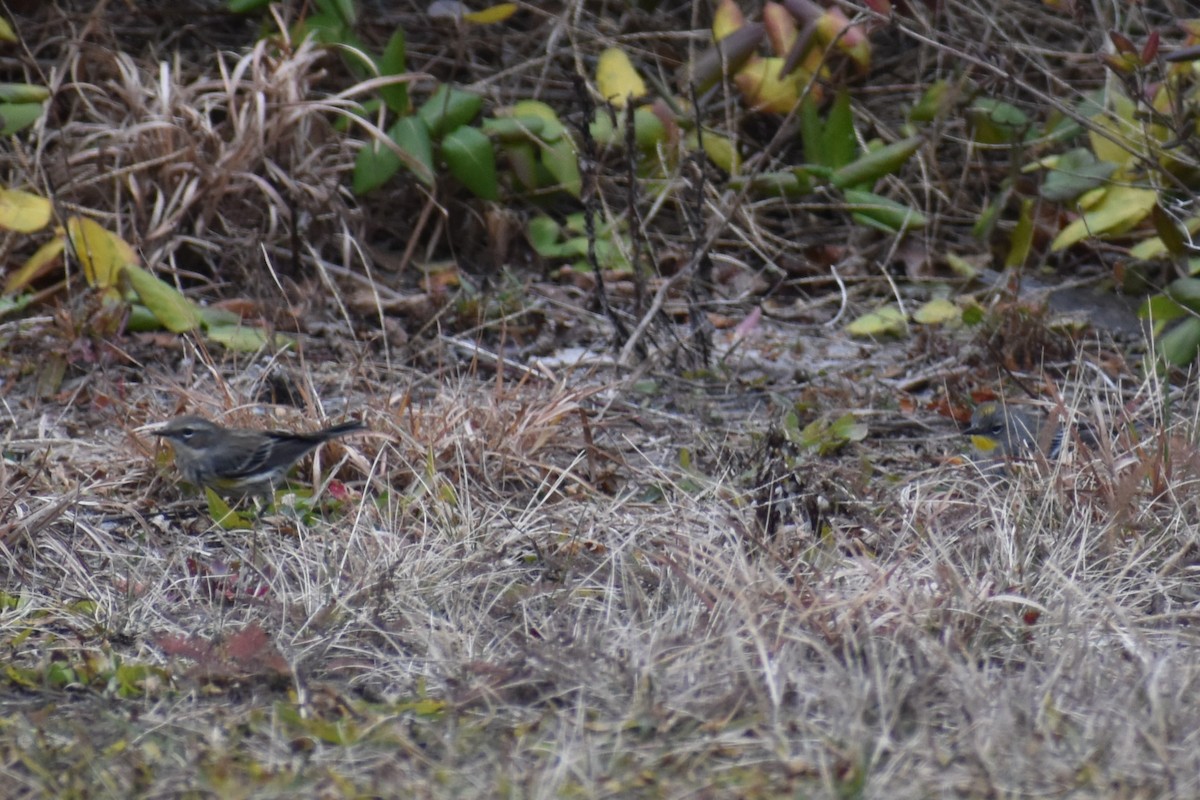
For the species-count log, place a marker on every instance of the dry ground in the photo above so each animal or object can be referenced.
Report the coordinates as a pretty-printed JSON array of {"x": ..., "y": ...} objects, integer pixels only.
[{"x": 536, "y": 580}]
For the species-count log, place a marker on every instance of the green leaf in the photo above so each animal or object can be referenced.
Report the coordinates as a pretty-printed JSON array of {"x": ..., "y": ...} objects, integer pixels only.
[
  {"x": 839, "y": 143},
  {"x": 1186, "y": 292},
  {"x": 246, "y": 6},
  {"x": 874, "y": 165},
  {"x": 1181, "y": 344},
  {"x": 141, "y": 319},
  {"x": 448, "y": 109},
  {"x": 176, "y": 313},
  {"x": 543, "y": 233},
  {"x": 523, "y": 161},
  {"x": 1073, "y": 173},
  {"x": 996, "y": 122},
  {"x": 342, "y": 10},
  {"x": 16, "y": 117},
  {"x": 882, "y": 213},
  {"x": 560, "y": 159},
  {"x": 412, "y": 137},
  {"x": 552, "y": 127},
  {"x": 244, "y": 339},
  {"x": 513, "y": 129},
  {"x": 393, "y": 62},
  {"x": 469, "y": 155},
  {"x": 218, "y": 317},
  {"x": 23, "y": 93},
  {"x": 811, "y": 133},
  {"x": 376, "y": 163},
  {"x": 374, "y": 166}
]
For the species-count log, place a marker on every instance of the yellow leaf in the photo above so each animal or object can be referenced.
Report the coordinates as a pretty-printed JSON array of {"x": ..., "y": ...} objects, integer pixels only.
[
  {"x": 6, "y": 32},
  {"x": 36, "y": 266},
  {"x": 886, "y": 320},
  {"x": 936, "y": 311},
  {"x": 1121, "y": 208},
  {"x": 726, "y": 19},
  {"x": 488, "y": 16},
  {"x": 764, "y": 89},
  {"x": 616, "y": 78},
  {"x": 102, "y": 254},
  {"x": 23, "y": 212},
  {"x": 1113, "y": 133}
]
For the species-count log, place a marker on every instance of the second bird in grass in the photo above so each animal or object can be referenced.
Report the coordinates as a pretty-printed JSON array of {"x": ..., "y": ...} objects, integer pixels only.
[
  {"x": 240, "y": 461},
  {"x": 1015, "y": 432}
]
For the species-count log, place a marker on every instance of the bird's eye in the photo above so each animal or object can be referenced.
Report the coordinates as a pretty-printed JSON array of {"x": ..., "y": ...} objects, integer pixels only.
[{"x": 187, "y": 433}]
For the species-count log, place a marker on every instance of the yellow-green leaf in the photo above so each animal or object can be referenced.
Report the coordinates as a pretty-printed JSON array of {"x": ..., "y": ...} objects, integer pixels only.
[
  {"x": 937, "y": 311},
  {"x": 176, "y": 313},
  {"x": 1114, "y": 135},
  {"x": 223, "y": 515},
  {"x": 1022, "y": 236},
  {"x": 245, "y": 339},
  {"x": 883, "y": 321},
  {"x": 719, "y": 149},
  {"x": 492, "y": 15},
  {"x": 37, "y": 265},
  {"x": 616, "y": 78},
  {"x": 23, "y": 93},
  {"x": 6, "y": 32},
  {"x": 552, "y": 127},
  {"x": 23, "y": 212},
  {"x": 1121, "y": 208}
]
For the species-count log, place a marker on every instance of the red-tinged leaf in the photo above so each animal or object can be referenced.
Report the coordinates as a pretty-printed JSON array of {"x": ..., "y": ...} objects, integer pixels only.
[
  {"x": 338, "y": 491},
  {"x": 749, "y": 324},
  {"x": 248, "y": 643},
  {"x": 883, "y": 7},
  {"x": 781, "y": 28},
  {"x": 1122, "y": 43},
  {"x": 185, "y": 646},
  {"x": 1150, "y": 49}
]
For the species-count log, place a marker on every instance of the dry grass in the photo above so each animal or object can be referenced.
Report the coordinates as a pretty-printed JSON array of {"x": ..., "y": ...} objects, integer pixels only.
[{"x": 533, "y": 586}]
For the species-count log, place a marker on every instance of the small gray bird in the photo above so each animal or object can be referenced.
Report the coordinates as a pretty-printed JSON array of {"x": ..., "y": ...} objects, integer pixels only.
[
  {"x": 240, "y": 461},
  {"x": 1016, "y": 432}
]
